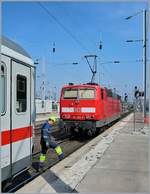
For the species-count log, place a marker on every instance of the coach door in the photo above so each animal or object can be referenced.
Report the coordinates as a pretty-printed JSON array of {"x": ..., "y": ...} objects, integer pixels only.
[
  {"x": 5, "y": 116},
  {"x": 20, "y": 116}
]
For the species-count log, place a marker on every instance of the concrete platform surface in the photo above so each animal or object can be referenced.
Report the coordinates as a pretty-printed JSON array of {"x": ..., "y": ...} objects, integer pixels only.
[
  {"x": 115, "y": 161},
  {"x": 123, "y": 168}
]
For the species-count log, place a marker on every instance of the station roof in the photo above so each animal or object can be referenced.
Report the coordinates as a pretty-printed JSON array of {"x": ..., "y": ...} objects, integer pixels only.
[{"x": 14, "y": 46}]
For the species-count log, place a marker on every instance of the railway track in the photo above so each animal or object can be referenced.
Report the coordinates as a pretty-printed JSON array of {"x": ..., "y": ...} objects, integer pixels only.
[{"x": 69, "y": 145}]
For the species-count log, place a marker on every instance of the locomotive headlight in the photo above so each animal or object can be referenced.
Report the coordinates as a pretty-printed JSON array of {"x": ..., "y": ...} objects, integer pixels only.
[{"x": 66, "y": 116}]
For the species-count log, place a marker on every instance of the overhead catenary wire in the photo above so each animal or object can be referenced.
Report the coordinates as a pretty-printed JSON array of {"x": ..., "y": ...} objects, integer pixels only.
[
  {"x": 73, "y": 62},
  {"x": 77, "y": 24},
  {"x": 102, "y": 63},
  {"x": 63, "y": 26},
  {"x": 122, "y": 61},
  {"x": 108, "y": 74}
]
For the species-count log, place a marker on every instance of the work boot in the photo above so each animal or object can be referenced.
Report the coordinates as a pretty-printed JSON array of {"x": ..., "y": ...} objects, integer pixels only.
[
  {"x": 41, "y": 162},
  {"x": 41, "y": 166}
]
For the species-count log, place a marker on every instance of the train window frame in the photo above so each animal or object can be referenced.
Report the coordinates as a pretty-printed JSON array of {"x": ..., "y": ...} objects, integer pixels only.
[
  {"x": 67, "y": 89},
  {"x": 21, "y": 112},
  {"x": 5, "y": 88},
  {"x": 87, "y": 89}
]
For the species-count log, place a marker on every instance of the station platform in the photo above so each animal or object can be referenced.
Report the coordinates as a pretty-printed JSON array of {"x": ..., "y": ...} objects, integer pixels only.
[{"x": 114, "y": 161}]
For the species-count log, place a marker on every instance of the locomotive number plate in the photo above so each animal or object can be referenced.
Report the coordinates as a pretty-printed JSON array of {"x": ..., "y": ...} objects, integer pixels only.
[{"x": 77, "y": 109}]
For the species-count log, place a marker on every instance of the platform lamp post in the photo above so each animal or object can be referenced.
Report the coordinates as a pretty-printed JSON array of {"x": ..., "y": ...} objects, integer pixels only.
[{"x": 144, "y": 51}]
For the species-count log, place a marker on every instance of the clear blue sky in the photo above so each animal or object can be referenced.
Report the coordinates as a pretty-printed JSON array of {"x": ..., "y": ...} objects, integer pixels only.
[{"x": 29, "y": 25}]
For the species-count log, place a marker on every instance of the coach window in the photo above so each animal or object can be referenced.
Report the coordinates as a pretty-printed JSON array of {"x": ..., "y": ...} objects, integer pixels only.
[
  {"x": 3, "y": 89},
  {"x": 21, "y": 104}
]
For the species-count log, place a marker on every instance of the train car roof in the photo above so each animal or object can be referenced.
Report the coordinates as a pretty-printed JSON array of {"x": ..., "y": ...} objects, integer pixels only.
[
  {"x": 82, "y": 86},
  {"x": 16, "y": 48}
]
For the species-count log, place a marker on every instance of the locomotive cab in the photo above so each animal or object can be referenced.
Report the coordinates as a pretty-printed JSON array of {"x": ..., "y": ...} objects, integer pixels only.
[
  {"x": 87, "y": 107},
  {"x": 79, "y": 107}
]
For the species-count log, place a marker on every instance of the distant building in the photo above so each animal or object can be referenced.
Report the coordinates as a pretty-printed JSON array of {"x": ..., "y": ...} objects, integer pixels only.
[
  {"x": 43, "y": 106},
  {"x": 46, "y": 106}
]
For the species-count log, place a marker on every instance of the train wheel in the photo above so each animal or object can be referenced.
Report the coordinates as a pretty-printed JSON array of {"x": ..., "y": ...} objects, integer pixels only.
[
  {"x": 73, "y": 133},
  {"x": 91, "y": 133}
]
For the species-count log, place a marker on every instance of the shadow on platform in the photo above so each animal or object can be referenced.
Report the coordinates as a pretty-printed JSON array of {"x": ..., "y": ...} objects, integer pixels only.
[{"x": 56, "y": 183}]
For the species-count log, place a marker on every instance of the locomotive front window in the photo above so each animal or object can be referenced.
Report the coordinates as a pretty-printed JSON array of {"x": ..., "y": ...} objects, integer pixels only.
[
  {"x": 70, "y": 94},
  {"x": 21, "y": 104},
  {"x": 86, "y": 93},
  {"x": 3, "y": 88}
]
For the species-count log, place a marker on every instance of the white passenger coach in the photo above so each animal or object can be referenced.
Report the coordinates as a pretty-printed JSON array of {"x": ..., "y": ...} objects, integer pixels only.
[{"x": 18, "y": 108}]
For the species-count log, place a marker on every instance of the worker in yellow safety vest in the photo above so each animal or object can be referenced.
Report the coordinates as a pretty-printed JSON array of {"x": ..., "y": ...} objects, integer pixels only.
[{"x": 47, "y": 142}]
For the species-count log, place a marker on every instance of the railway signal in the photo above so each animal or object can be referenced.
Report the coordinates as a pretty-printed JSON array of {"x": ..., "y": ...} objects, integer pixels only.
[{"x": 125, "y": 97}]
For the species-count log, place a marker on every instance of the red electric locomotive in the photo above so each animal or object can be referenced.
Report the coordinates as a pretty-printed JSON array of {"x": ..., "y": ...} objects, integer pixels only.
[{"x": 86, "y": 107}]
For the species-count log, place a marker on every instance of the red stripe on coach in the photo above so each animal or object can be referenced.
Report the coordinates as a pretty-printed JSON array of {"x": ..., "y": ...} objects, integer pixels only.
[{"x": 17, "y": 135}]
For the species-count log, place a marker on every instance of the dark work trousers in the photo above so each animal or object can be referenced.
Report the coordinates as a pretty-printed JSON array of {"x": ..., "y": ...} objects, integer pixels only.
[{"x": 47, "y": 143}]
